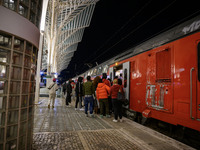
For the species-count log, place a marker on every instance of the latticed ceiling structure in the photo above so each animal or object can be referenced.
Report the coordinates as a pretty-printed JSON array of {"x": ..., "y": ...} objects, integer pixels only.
[{"x": 64, "y": 28}]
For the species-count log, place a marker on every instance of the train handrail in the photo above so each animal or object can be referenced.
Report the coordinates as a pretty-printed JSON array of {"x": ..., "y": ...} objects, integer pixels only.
[{"x": 191, "y": 92}]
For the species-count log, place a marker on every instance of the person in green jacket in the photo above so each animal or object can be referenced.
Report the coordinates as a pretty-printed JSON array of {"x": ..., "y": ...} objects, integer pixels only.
[{"x": 88, "y": 93}]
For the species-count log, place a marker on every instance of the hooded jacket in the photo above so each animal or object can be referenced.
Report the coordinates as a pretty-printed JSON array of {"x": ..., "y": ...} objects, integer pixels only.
[
  {"x": 114, "y": 90},
  {"x": 102, "y": 91},
  {"x": 107, "y": 82}
]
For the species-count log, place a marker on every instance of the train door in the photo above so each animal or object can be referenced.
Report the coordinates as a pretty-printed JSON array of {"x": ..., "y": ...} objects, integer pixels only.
[
  {"x": 198, "y": 81},
  {"x": 159, "y": 86},
  {"x": 126, "y": 78}
]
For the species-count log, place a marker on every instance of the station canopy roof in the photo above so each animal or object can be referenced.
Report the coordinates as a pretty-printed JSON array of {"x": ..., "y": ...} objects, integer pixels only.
[{"x": 64, "y": 28}]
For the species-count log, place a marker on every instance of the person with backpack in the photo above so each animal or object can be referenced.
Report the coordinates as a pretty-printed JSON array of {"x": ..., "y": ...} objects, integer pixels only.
[
  {"x": 52, "y": 93},
  {"x": 102, "y": 93}
]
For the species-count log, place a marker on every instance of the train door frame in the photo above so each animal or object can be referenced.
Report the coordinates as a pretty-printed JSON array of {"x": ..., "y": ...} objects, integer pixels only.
[
  {"x": 126, "y": 83},
  {"x": 197, "y": 82}
]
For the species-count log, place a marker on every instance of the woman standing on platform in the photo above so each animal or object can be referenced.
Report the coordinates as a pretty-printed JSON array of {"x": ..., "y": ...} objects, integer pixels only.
[
  {"x": 102, "y": 93},
  {"x": 117, "y": 104}
]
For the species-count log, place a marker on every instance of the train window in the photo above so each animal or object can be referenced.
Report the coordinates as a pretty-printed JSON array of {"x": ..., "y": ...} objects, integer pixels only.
[
  {"x": 125, "y": 78},
  {"x": 163, "y": 65},
  {"x": 198, "y": 55}
]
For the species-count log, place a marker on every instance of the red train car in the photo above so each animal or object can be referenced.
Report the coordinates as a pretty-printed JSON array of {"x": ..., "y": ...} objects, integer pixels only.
[{"x": 161, "y": 76}]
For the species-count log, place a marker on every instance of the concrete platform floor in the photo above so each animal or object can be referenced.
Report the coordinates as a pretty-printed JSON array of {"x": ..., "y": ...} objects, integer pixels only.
[{"x": 63, "y": 128}]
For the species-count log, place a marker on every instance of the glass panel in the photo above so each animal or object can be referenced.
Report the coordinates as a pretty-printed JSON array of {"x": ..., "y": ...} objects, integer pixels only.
[
  {"x": 33, "y": 5},
  {"x": 3, "y": 103},
  {"x": 25, "y": 2},
  {"x": 17, "y": 59},
  {"x": 16, "y": 73},
  {"x": 28, "y": 48},
  {"x": 11, "y": 132},
  {"x": 2, "y": 118},
  {"x": 11, "y": 4},
  {"x": 22, "y": 143},
  {"x": 32, "y": 75},
  {"x": 3, "y": 71},
  {"x": 3, "y": 87},
  {"x": 24, "y": 101},
  {"x": 5, "y": 41},
  {"x": 13, "y": 102},
  {"x": 23, "y": 114},
  {"x": 23, "y": 10},
  {"x": 12, "y": 117},
  {"x": 4, "y": 56},
  {"x": 14, "y": 87},
  {"x": 34, "y": 57},
  {"x": 27, "y": 61},
  {"x": 19, "y": 45},
  {"x": 23, "y": 127},
  {"x": 1, "y": 134},
  {"x": 26, "y": 74},
  {"x": 31, "y": 99},
  {"x": 30, "y": 113},
  {"x": 32, "y": 17},
  {"x": 25, "y": 87}
]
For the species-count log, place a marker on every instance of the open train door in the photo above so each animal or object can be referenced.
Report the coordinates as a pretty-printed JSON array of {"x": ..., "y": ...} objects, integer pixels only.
[{"x": 126, "y": 79}]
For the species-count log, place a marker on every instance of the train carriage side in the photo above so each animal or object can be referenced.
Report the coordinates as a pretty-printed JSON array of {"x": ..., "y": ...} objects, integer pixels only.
[{"x": 164, "y": 82}]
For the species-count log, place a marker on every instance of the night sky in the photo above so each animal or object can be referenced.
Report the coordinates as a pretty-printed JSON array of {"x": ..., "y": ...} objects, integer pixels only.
[{"x": 118, "y": 25}]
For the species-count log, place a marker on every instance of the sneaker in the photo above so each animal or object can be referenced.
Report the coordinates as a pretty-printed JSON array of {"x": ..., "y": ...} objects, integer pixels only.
[
  {"x": 120, "y": 120},
  {"x": 101, "y": 116},
  {"x": 82, "y": 109},
  {"x": 91, "y": 115},
  {"x": 76, "y": 108},
  {"x": 68, "y": 106},
  {"x": 49, "y": 106},
  {"x": 115, "y": 120},
  {"x": 107, "y": 116}
]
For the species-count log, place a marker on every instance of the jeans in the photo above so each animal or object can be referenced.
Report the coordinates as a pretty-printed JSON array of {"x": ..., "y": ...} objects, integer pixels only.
[{"x": 88, "y": 100}]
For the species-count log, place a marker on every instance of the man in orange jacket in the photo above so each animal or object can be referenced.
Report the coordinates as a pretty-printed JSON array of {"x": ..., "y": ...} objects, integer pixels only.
[{"x": 102, "y": 93}]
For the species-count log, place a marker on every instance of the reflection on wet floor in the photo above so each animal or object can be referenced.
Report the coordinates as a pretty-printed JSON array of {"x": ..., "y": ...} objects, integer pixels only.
[{"x": 62, "y": 118}]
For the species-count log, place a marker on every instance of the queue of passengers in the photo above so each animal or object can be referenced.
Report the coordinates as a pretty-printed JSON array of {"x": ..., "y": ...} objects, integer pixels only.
[{"x": 97, "y": 94}]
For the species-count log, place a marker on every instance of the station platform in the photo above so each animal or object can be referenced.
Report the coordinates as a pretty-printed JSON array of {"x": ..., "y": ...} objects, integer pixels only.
[{"x": 64, "y": 128}]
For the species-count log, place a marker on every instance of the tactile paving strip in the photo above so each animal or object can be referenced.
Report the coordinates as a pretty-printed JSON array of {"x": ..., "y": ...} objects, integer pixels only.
[
  {"x": 108, "y": 139},
  {"x": 61, "y": 141}
]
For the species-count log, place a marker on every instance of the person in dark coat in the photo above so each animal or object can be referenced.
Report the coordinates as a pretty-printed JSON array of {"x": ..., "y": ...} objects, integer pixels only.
[
  {"x": 64, "y": 87},
  {"x": 69, "y": 92},
  {"x": 79, "y": 93}
]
